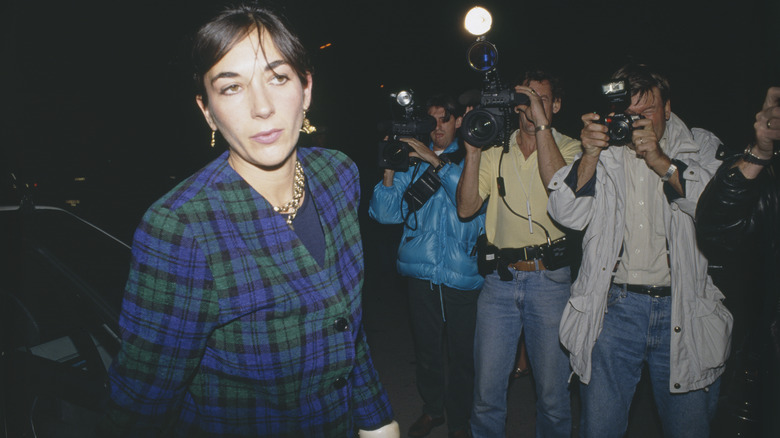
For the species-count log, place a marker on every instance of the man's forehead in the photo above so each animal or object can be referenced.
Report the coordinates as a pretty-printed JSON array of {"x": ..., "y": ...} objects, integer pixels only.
[
  {"x": 647, "y": 98},
  {"x": 437, "y": 111},
  {"x": 539, "y": 86}
]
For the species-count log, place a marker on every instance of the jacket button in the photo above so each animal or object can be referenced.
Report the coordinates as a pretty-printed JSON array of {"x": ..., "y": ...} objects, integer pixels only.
[
  {"x": 340, "y": 383},
  {"x": 677, "y": 329},
  {"x": 341, "y": 324},
  {"x": 676, "y": 386}
]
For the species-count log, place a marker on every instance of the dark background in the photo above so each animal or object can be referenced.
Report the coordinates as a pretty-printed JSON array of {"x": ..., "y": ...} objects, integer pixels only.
[{"x": 102, "y": 90}]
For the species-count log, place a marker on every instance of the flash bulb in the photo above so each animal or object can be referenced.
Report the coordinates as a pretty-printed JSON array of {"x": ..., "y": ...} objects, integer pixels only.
[
  {"x": 404, "y": 98},
  {"x": 478, "y": 21},
  {"x": 613, "y": 87}
]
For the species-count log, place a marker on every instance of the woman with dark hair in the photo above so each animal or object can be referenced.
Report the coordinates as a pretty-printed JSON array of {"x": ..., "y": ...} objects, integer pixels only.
[{"x": 242, "y": 314}]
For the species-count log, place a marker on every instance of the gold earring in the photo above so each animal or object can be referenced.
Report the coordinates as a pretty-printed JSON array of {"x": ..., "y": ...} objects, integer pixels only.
[
  {"x": 307, "y": 127},
  {"x": 213, "y": 138}
]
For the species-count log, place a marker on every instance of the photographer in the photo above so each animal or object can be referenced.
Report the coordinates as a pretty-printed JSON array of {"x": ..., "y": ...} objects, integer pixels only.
[
  {"x": 643, "y": 295},
  {"x": 738, "y": 226},
  {"x": 436, "y": 255},
  {"x": 519, "y": 291}
]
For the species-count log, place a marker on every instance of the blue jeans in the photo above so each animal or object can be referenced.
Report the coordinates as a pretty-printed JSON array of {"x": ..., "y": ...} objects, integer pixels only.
[
  {"x": 637, "y": 330},
  {"x": 533, "y": 301}
]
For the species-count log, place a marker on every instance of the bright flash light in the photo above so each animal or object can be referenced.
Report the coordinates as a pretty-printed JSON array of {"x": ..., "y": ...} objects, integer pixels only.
[
  {"x": 404, "y": 98},
  {"x": 478, "y": 21}
]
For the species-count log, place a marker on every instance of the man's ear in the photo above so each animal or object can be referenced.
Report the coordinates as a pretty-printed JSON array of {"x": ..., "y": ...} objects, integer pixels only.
[
  {"x": 668, "y": 109},
  {"x": 556, "y": 106},
  {"x": 458, "y": 121},
  {"x": 205, "y": 110}
]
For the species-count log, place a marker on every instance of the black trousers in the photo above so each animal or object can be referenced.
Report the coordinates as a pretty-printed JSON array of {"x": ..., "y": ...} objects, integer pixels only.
[{"x": 432, "y": 305}]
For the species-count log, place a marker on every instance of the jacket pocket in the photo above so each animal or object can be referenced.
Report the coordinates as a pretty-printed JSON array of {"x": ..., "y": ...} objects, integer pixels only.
[{"x": 711, "y": 333}]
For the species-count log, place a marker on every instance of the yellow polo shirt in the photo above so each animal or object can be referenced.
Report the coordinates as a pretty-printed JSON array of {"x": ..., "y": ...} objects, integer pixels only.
[{"x": 524, "y": 189}]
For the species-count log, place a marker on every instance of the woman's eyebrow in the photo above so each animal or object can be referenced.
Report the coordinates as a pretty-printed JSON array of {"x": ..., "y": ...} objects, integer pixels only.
[
  {"x": 272, "y": 65},
  {"x": 229, "y": 74},
  {"x": 226, "y": 74}
]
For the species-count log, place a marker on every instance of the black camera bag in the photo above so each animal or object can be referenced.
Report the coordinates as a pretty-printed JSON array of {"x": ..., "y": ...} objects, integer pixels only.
[{"x": 419, "y": 192}]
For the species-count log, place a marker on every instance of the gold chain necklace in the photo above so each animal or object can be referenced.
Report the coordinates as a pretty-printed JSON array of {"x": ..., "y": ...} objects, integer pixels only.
[{"x": 291, "y": 208}]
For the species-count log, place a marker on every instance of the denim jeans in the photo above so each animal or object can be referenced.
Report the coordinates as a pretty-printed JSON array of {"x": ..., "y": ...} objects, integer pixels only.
[
  {"x": 533, "y": 301},
  {"x": 637, "y": 330},
  {"x": 429, "y": 305}
]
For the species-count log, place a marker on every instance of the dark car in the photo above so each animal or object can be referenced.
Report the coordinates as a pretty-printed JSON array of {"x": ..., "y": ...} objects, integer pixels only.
[{"x": 61, "y": 285}]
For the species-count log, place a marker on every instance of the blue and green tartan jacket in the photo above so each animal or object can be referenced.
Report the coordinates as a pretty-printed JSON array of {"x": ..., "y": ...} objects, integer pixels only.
[{"x": 231, "y": 328}]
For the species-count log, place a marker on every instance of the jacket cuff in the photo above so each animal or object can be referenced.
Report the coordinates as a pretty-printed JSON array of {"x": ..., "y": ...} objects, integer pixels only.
[
  {"x": 589, "y": 189},
  {"x": 669, "y": 191}
]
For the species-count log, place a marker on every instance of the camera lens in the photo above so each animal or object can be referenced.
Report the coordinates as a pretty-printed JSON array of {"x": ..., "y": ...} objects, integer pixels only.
[
  {"x": 480, "y": 128},
  {"x": 619, "y": 131}
]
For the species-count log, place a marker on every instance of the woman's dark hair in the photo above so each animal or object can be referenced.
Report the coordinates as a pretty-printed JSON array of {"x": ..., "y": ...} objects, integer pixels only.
[
  {"x": 641, "y": 80},
  {"x": 215, "y": 39}
]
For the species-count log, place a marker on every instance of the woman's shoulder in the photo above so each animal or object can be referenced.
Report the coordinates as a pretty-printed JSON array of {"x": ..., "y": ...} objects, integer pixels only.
[
  {"x": 191, "y": 192},
  {"x": 326, "y": 161},
  {"x": 322, "y": 154}
]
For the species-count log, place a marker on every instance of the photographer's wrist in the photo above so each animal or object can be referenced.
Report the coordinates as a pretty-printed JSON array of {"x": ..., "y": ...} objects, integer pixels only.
[
  {"x": 591, "y": 152},
  {"x": 387, "y": 178},
  {"x": 757, "y": 151}
]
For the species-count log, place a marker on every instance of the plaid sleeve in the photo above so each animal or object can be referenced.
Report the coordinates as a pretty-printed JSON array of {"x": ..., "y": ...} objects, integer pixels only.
[
  {"x": 165, "y": 322},
  {"x": 372, "y": 408}
]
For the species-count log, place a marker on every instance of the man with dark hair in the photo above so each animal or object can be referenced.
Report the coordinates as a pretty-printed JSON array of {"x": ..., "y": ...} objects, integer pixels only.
[
  {"x": 520, "y": 292},
  {"x": 436, "y": 255},
  {"x": 738, "y": 226},
  {"x": 643, "y": 296}
]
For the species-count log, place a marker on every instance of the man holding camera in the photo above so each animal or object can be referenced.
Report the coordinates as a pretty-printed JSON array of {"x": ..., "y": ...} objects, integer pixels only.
[
  {"x": 643, "y": 295},
  {"x": 738, "y": 226},
  {"x": 437, "y": 256},
  {"x": 520, "y": 292}
]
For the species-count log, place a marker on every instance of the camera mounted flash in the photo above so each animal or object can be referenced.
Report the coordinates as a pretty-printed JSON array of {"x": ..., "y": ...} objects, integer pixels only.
[
  {"x": 478, "y": 21},
  {"x": 404, "y": 98},
  {"x": 613, "y": 87}
]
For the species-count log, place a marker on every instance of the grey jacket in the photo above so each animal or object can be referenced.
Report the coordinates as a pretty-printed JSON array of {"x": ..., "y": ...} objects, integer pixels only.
[{"x": 701, "y": 324}]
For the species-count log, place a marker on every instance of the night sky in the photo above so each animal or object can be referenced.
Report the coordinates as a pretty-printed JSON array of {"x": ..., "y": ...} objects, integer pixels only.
[{"x": 102, "y": 90}]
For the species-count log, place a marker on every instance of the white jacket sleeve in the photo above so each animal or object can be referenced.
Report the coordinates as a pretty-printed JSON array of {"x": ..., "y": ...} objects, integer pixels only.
[{"x": 571, "y": 211}]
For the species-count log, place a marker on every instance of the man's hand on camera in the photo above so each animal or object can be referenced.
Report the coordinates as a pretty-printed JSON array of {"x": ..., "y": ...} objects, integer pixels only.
[
  {"x": 593, "y": 136},
  {"x": 767, "y": 124},
  {"x": 421, "y": 151},
  {"x": 536, "y": 113},
  {"x": 647, "y": 146}
]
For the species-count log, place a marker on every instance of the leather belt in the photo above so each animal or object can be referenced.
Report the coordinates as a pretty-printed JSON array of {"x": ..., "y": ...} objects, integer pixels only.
[
  {"x": 527, "y": 265},
  {"x": 653, "y": 291}
]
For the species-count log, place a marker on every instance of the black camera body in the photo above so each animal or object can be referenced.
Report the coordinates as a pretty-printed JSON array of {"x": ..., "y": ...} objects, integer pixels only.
[
  {"x": 394, "y": 153},
  {"x": 492, "y": 121},
  {"x": 620, "y": 126}
]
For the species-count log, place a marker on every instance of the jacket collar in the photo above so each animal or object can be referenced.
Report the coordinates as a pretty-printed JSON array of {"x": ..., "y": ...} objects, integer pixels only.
[{"x": 262, "y": 229}]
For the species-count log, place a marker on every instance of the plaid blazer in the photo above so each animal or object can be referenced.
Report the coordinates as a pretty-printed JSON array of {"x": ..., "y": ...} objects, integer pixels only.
[{"x": 231, "y": 328}]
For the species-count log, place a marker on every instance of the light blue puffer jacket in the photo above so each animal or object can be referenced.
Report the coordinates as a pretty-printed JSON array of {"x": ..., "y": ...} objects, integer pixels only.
[{"x": 436, "y": 244}]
